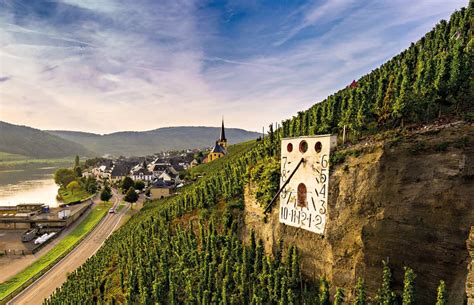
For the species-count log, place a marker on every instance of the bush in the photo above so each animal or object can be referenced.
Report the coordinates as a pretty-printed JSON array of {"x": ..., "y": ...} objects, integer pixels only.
[
  {"x": 337, "y": 157},
  {"x": 73, "y": 186},
  {"x": 266, "y": 176},
  {"x": 418, "y": 147},
  {"x": 139, "y": 185},
  {"x": 442, "y": 147}
]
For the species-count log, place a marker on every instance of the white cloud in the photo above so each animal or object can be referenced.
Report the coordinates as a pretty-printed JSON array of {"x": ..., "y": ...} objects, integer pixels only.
[{"x": 130, "y": 68}]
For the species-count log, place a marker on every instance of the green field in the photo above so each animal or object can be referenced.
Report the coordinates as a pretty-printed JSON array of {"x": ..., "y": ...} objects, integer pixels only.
[
  {"x": 7, "y": 159},
  {"x": 68, "y": 197},
  {"x": 55, "y": 254}
]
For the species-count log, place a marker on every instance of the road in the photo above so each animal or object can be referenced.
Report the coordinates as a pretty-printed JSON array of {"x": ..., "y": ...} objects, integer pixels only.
[
  {"x": 12, "y": 264},
  {"x": 43, "y": 287}
]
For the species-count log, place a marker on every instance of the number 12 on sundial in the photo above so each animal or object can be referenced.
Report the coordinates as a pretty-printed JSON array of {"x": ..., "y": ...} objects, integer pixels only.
[{"x": 304, "y": 198}]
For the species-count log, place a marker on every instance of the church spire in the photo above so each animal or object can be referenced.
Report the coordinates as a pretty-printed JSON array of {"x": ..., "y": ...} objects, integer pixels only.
[{"x": 222, "y": 138}]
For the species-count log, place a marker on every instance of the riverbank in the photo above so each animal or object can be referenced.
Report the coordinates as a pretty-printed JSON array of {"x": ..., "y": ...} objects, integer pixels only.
[
  {"x": 39, "y": 267},
  {"x": 14, "y": 161}
]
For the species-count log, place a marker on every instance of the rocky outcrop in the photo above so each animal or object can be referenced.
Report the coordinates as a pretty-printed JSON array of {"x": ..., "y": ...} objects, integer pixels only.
[
  {"x": 470, "y": 274},
  {"x": 409, "y": 202}
]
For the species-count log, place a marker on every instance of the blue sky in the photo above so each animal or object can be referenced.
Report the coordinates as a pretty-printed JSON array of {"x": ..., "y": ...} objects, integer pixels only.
[{"x": 109, "y": 65}]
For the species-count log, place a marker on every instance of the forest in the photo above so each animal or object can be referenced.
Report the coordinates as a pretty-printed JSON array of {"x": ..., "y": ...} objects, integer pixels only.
[{"x": 187, "y": 249}]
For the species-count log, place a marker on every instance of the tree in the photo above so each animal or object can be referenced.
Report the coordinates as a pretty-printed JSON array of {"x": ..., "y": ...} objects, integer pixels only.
[
  {"x": 139, "y": 185},
  {"x": 76, "y": 161},
  {"x": 400, "y": 105},
  {"x": 106, "y": 193},
  {"x": 387, "y": 100},
  {"x": 408, "y": 297},
  {"x": 127, "y": 183},
  {"x": 91, "y": 185},
  {"x": 78, "y": 171},
  {"x": 131, "y": 196},
  {"x": 63, "y": 176},
  {"x": 442, "y": 298}
]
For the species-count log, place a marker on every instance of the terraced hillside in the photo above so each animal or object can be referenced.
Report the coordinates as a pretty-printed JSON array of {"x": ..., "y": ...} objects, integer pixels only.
[{"x": 194, "y": 248}]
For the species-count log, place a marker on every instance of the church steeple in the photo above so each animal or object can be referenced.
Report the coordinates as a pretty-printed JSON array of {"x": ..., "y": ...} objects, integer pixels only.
[{"x": 222, "y": 138}]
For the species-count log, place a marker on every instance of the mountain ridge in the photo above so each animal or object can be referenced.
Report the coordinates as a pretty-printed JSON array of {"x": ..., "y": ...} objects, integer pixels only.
[
  {"x": 32, "y": 142},
  {"x": 129, "y": 143},
  {"x": 36, "y": 143}
]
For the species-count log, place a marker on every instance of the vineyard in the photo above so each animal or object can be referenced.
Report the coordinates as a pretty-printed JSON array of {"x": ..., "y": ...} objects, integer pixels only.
[
  {"x": 186, "y": 249},
  {"x": 431, "y": 78}
]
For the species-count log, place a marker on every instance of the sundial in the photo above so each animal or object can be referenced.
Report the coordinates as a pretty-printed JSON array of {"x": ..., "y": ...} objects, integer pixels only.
[{"x": 304, "y": 182}]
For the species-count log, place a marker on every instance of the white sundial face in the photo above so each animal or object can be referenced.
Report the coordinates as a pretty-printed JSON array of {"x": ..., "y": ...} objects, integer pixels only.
[{"x": 303, "y": 201}]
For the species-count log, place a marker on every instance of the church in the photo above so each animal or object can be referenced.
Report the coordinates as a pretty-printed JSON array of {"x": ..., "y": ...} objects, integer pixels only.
[{"x": 220, "y": 148}]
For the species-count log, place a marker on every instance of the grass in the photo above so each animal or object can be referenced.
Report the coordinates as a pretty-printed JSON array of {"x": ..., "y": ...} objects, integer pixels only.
[
  {"x": 7, "y": 159},
  {"x": 120, "y": 206},
  {"x": 55, "y": 254},
  {"x": 68, "y": 197}
]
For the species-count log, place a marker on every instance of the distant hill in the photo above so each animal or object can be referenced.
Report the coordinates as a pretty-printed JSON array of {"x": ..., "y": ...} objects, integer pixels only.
[
  {"x": 27, "y": 141},
  {"x": 128, "y": 143}
]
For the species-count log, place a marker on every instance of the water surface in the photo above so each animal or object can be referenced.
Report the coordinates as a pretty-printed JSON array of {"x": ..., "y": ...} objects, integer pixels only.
[{"x": 29, "y": 183}]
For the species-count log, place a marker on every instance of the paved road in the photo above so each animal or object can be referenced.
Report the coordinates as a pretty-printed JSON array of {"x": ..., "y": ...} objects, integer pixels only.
[
  {"x": 12, "y": 264},
  {"x": 47, "y": 284}
]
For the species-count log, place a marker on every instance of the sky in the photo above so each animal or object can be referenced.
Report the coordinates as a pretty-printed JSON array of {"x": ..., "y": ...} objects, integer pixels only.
[{"x": 110, "y": 65}]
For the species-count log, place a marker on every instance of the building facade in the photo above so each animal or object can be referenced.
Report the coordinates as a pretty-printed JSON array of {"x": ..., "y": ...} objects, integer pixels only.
[{"x": 220, "y": 148}]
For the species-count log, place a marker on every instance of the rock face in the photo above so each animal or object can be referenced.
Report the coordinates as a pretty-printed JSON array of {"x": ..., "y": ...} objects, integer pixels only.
[
  {"x": 470, "y": 275},
  {"x": 409, "y": 202}
]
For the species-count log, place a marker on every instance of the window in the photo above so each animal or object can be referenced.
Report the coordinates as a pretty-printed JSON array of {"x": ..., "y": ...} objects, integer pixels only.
[
  {"x": 318, "y": 146},
  {"x": 303, "y": 146},
  {"x": 301, "y": 196},
  {"x": 289, "y": 147}
]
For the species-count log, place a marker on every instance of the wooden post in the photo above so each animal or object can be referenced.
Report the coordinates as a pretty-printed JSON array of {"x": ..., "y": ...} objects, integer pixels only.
[{"x": 344, "y": 135}]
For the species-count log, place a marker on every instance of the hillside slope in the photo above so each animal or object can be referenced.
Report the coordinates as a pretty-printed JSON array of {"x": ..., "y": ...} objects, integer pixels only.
[
  {"x": 406, "y": 199},
  {"x": 27, "y": 141},
  {"x": 129, "y": 143}
]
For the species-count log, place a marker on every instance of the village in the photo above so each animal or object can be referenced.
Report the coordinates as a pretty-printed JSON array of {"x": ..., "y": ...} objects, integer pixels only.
[
  {"x": 28, "y": 227},
  {"x": 163, "y": 174}
]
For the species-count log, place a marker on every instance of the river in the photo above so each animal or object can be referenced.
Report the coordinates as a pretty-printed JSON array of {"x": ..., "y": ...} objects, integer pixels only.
[{"x": 29, "y": 183}]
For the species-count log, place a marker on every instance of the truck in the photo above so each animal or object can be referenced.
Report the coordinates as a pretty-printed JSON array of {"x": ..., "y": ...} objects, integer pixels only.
[{"x": 64, "y": 214}]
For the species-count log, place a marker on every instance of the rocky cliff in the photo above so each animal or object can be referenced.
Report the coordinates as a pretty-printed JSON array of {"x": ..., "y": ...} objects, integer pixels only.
[
  {"x": 408, "y": 200},
  {"x": 470, "y": 275}
]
